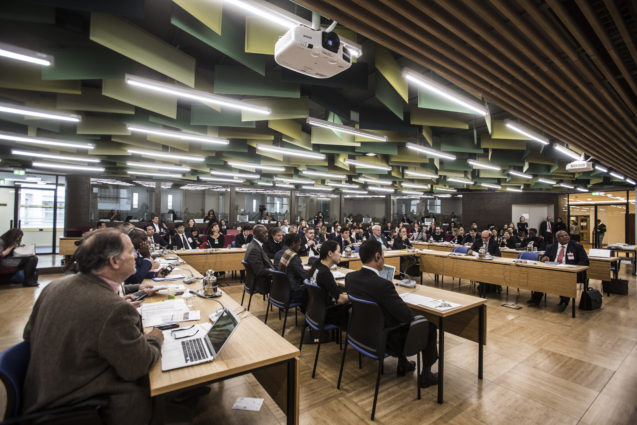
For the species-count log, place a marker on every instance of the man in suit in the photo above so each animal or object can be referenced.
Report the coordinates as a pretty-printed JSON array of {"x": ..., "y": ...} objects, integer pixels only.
[
  {"x": 180, "y": 239},
  {"x": 159, "y": 229},
  {"x": 274, "y": 243},
  {"x": 110, "y": 355},
  {"x": 564, "y": 251},
  {"x": 491, "y": 245},
  {"x": 438, "y": 236},
  {"x": 344, "y": 239},
  {"x": 258, "y": 260},
  {"x": 538, "y": 243},
  {"x": 471, "y": 238},
  {"x": 244, "y": 237},
  {"x": 546, "y": 230},
  {"x": 154, "y": 238},
  {"x": 378, "y": 236},
  {"x": 308, "y": 244},
  {"x": 367, "y": 284}
]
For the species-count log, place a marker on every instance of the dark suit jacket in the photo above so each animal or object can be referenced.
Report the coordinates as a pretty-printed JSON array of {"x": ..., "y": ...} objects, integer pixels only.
[
  {"x": 93, "y": 347},
  {"x": 537, "y": 243},
  {"x": 305, "y": 251},
  {"x": 368, "y": 285},
  {"x": 241, "y": 240},
  {"x": 176, "y": 238},
  {"x": 492, "y": 248},
  {"x": 471, "y": 240},
  {"x": 544, "y": 226},
  {"x": 401, "y": 244},
  {"x": 159, "y": 239},
  {"x": 342, "y": 243},
  {"x": 271, "y": 247},
  {"x": 579, "y": 256},
  {"x": 142, "y": 270},
  {"x": 260, "y": 264}
]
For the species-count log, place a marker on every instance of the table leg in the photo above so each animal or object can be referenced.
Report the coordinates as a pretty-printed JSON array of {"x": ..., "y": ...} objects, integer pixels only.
[
  {"x": 481, "y": 331},
  {"x": 441, "y": 358},
  {"x": 573, "y": 307},
  {"x": 292, "y": 412}
]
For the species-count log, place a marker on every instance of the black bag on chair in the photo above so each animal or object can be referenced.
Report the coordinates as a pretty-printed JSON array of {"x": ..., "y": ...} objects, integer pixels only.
[
  {"x": 615, "y": 286},
  {"x": 591, "y": 299}
]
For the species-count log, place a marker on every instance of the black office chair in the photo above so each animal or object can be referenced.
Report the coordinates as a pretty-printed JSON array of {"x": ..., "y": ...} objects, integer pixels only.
[
  {"x": 13, "y": 369},
  {"x": 248, "y": 285},
  {"x": 315, "y": 318},
  {"x": 279, "y": 296}
]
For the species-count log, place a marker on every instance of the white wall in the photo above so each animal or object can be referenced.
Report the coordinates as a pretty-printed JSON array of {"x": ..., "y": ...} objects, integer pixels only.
[
  {"x": 535, "y": 213},
  {"x": 374, "y": 207}
]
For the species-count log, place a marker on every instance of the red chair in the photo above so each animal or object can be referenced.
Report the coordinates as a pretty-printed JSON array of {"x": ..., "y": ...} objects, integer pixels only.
[{"x": 6, "y": 273}]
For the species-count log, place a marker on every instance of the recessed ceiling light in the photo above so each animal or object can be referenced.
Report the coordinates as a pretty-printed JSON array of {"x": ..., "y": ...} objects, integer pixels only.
[
  {"x": 157, "y": 166},
  {"x": 458, "y": 180},
  {"x": 323, "y": 174},
  {"x": 220, "y": 179},
  {"x": 420, "y": 174},
  {"x": 519, "y": 174},
  {"x": 491, "y": 186},
  {"x": 231, "y": 174},
  {"x": 154, "y": 174},
  {"x": 240, "y": 164}
]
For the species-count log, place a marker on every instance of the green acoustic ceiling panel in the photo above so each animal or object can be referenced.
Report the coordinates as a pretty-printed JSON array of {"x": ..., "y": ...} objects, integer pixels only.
[
  {"x": 208, "y": 12},
  {"x": 181, "y": 122},
  {"x": 92, "y": 100},
  {"x": 101, "y": 125},
  {"x": 437, "y": 118},
  {"x": 239, "y": 80},
  {"x": 245, "y": 133},
  {"x": 325, "y": 136},
  {"x": 459, "y": 143},
  {"x": 203, "y": 115},
  {"x": 290, "y": 128},
  {"x": 261, "y": 35},
  {"x": 386, "y": 94},
  {"x": 380, "y": 148},
  {"x": 129, "y": 40},
  {"x": 231, "y": 43},
  {"x": 500, "y": 131},
  {"x": 391, "y": 70},
  {"x": 282, "y": 109},
  {"x": 235, "y": 145},
  {"x": 86, "y": 64},
  {"x": 487, "y": 142},
  {"x": 118, "y": 89},
  {"x": 22, "y": 11},
  {"x": 335, "y": 149},
  {"x": 49, "y": 125},
  {"x": 427, "y": 100},
  {"x": 507, "y": 158},
  {"x": 541, "y": 169},
  {"x": 15, "y": 75}
]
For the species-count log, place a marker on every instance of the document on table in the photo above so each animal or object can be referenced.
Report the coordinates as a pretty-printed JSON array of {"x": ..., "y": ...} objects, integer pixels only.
[
  {"x": 169, "y": 311},
  {"x": 338, "y": 275},
  {"x": 172, "y": 277},
  {"x": 440, "y": 305}
]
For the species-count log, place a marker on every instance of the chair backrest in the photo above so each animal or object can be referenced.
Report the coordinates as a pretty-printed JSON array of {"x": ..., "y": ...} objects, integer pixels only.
[
  {"x": 460, "y": 249},
  {"x": 366, "y": 327},
  {"x": 417, "y": 336},
  {"x": 13, "y": 368},
  {"x": 315, "y": 312},
  {"x": 280, "y": 289},
  {"x": 249, "y": 275},
  {"x": 526, "y": 255}
]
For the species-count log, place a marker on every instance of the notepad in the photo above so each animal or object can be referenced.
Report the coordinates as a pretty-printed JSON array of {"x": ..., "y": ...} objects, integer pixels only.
[{"x": 440, "y": 305}]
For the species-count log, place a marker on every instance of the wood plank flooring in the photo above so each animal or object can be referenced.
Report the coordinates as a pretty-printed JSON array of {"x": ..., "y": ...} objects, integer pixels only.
[{"x": 541, "y": 367}]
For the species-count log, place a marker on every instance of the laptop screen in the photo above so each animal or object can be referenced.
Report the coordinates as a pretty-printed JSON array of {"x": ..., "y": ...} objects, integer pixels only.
[
  {"x": 388, "y": 272},
  {"x": 221, "y": 330}
]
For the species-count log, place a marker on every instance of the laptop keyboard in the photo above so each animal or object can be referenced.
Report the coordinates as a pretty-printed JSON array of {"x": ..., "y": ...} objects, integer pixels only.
[{"x": 194, "y": 350}]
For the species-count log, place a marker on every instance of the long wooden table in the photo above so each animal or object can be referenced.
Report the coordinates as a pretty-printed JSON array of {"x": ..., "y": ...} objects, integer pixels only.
[
  {"x": 254, "y": 348},
  {"x": 219, "y": 260},
  {"x": 628, "y": 249},
  {"x": 392, "y": 258},
  {"x": 468, "y": 321},
  {"x": 68, "y": 246}
]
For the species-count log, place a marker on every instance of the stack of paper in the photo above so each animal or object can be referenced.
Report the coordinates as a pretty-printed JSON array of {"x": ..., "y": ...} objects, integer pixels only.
[
  {"x": 440, "y": 305},
  {"x": 338, "y": 275},
  {"x": 170, "y": 311}
]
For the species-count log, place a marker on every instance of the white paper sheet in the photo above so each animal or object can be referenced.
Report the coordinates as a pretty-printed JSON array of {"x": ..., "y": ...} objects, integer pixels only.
[
  {"x": 248, "y": 403},
  {"x": 440, "y": 305}
]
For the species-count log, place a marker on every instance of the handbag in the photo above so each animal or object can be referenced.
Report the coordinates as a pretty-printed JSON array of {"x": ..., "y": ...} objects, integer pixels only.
[
  {"x": 615, "y": 286},
  {"x": 24, "y": 251},
  {"x": 591, "y": 299}
]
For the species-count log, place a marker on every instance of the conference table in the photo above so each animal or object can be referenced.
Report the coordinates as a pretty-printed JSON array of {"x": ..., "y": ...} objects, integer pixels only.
[
  {"x": 468, "y": 320},
  {"x": 254, "y": 348},
  {"x": 628, "y": 249},
  {"x": 217, "y": 259},
  {"x": 68, "y": 245}
]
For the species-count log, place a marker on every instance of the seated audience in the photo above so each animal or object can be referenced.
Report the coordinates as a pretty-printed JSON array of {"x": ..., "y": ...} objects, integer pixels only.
[
  {"x": 274, "y": 243},
  {"x": 257, "y": 259},
  {"x": 223, "y": 227},
  {"x": 488, "y": 242},
  {"x": 180, "y": 240},
  {"x": 534, "y": 240},
  {"x": 417, "y": 234},
  {"x": 379, "y": 237},
  {"x": 190, "y": 225},
  {"x": 287, "y": 260},
  {"x": 215, "y": 238},
  {"x": 336, "y": 300},
  {"x": 344, "y": 239},
  {"x": 143, "y": 261},
  {"x": 471, "y": 237},
  {"x": 155, "y": 238},
  {"x": 437, "y": 236},
  {"x": 308, "y": 244},
  {"x": 110, "y": 356},
  {"x": 244, "y": 237},
  {"x": 9, "y": 241},
  {"x": 196, "y": 239},
  {"x": 401, "y": 241},
  {"x": 458, "y": 238}
]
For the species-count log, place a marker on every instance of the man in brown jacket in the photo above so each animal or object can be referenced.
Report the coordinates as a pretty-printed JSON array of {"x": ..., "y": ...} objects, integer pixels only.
[{"x": 87, "y": 341}]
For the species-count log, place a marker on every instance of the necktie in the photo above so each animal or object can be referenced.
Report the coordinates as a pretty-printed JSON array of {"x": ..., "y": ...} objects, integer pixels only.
[
  {"x": 548, "y": 226},
  {"x": 185, "y": 242},
  {"x": 560, "y": 256}
]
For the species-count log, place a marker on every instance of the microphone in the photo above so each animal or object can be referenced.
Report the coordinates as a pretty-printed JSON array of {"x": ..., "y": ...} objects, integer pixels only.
[{"x": 190, "y": 279}]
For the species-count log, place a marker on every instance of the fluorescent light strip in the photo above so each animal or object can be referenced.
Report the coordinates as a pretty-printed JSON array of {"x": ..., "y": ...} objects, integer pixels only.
[
  {"x": 513, "y": 189},
  {"x": 44, "y": 142},
  {"x": 294, "y": 181},
  {"x": 25, "y": 55},
  {"x": 52, "y": 156},
  {"x": 367, "y": 165},
  {"x": 287, "y": 186},
  {"x": 630, "y": 181},
  {"x": 430, "y": 152},
  {"x": 410, "y": 192},
  {"x": 360, "y": 192},
  {"x": 457, "y": 180},
  {"x": 240, "y": 164},
  {"x": 375, "y": 181},
  {"x": 581, "y": 189},
  {"x": 345, "y": 129},
  {"x": 269, "y": 184},
  {"x": 601, "y": 168},
  {"x": 491, "y": 186},
  {"x": 421, "y": 174},
  {"x": 156, "y": 166},
  {"x": 566, "y": 151},
  {"x": 230, "y": 174},
  {"x": 616, "y": 175},
  {"x": 154, "y": 174},
  {"x": 415, "y": 186},
  {"x": 291, "y": 152},
  {"x": 39, "y": 113},
  {"x": 567, "y": 186},
  {"x": 546, "y": 181},
  {"x": 326, "y": 189},
  {"x": 443, "y": 195},
  {"x": 443, "y": 91},
  {"x": 325, "y": 175},
  {"x": 380, "y": 189},
  {"x": 519, "y": 128},
  {"x": 445, "y": 189},
  {"x": 478, "y": 164},
  {"x": 345, "y": 185},
  {"x": 167, "y": 155},
  {"x": 220, "y": 179},
  {"x": 188, "y": 93},
  {"x": 68, "y": 167},
  {"x": 178, "y": 135},
  {"x": 519, "y": 174}
]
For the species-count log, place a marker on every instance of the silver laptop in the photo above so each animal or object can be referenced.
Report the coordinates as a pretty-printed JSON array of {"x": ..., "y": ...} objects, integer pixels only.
[
  {"x": 388, "y": 272},
  {"x": 190, "y": 349}
]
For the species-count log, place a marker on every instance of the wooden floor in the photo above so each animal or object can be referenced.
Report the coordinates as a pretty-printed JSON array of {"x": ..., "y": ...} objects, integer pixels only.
[{"x": 541, "y": 367}]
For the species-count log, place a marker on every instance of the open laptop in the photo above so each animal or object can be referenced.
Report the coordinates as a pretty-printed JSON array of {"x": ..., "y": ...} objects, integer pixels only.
[
  {"x": 176, "y": 353},
  {"x": 388, "y": 272}
]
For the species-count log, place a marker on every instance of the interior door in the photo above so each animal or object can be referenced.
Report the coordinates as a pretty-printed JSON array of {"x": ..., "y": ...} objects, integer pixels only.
[{"x": 7, "y": 208}]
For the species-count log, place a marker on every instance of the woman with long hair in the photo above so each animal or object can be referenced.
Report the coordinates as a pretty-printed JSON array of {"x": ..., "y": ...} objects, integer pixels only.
[
  {"x": 215, "y": 238},
  {"x": 8, "y": 243},
  {"x": 336, "y": 300}
]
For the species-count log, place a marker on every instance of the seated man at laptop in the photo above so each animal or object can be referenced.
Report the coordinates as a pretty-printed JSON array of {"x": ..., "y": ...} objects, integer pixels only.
[
  {"x": 110, "y": 355},
  {"x": 367, "y": 284}
]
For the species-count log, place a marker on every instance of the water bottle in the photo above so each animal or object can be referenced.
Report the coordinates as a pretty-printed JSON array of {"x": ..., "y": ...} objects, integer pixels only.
[
  {"x": 482, "y": 252},
  {"x": 529, "y": 247},
  {"x": 210, "y": 283}
]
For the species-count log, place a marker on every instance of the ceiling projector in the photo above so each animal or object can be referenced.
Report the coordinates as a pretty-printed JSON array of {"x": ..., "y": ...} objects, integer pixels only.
[{"x": 317, "y": 53}]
